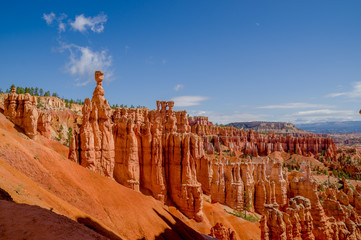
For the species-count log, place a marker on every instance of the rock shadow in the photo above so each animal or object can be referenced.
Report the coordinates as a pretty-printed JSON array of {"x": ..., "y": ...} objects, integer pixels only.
[
  {"x": 4, "y": 195},
  {"x": 96, "y": 227},
  {"x": 178, "y": 230}
]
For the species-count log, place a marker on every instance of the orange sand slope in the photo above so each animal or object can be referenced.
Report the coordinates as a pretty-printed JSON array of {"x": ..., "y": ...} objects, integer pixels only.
[{"x": 37, "y": 172}]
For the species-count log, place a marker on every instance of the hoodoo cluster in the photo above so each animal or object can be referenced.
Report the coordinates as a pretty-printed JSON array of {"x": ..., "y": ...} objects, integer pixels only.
[{"x": 174, "y": 157}]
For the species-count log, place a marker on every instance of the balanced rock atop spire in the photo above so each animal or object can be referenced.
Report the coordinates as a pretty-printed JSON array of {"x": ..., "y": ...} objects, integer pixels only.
[{"x": 141, "y": 149}]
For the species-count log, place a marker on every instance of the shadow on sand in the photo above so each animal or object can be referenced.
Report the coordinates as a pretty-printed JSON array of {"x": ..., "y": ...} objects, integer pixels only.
[
  {"x": 178, "y": 230},
  {"x": 96, "y": 227}
]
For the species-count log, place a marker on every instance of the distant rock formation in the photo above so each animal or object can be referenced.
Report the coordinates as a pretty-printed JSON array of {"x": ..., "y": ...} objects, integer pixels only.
[{"x": 266, "y": 127}]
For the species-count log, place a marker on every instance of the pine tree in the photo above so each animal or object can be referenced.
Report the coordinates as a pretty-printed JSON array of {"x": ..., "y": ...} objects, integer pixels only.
[{"x": 41, "y": 92}]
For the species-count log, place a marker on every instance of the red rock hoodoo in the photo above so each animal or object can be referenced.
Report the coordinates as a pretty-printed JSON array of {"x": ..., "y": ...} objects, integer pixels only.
[{"x": 21, "y": 109}]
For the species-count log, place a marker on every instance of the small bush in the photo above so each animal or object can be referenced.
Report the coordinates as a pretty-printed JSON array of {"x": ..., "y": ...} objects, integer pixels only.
[{"x": 248, "y": 217}]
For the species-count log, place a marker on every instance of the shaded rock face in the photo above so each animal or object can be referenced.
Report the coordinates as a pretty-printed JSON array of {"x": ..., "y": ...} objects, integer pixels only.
[
  {"x": 152, "y": 151},
  {"x": 43, "y": 126},
  {"x": 245, "y": 184},
  {"x": 21, "y": 110},
  {"x": 222, "y": 233}
]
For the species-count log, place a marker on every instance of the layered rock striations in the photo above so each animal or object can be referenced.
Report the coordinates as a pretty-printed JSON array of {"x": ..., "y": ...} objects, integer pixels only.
[
  {"x": 219, "y": 231},
  {"x": 21, "y": 110},
  {"x": 294, "y": 223}
]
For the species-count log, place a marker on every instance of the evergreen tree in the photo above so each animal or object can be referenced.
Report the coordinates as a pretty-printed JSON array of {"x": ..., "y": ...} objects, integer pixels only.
[
  {"x": 11, "y": 87},
  {"x": 36, "y": 92},
  {"x": 41, "y": 92},
  {"x": 47, "y": 94}
]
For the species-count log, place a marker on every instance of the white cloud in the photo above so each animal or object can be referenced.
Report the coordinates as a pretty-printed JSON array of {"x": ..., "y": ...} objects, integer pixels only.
[
  {"x": 61, "y": 27},
  {"x": 96, "y": 24},
  {"x": 178, "y": 87},
  {"x": 354, "y": 93},
  {"x": 83, "y": 62},
  {"x": 323, "y": 112},
  {"x": 186, "y": 101},
  {"x": 49, "y": 18},
  {"x": 322, "y": 115},
  {"x": 336, "y": 94},
  {"x": 293, "y": 105}
]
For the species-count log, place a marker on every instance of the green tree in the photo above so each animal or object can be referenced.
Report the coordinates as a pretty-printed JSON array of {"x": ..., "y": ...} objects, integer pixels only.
[
  {"x": 19, "y": 90},
  {"x": 41, "y": 92},
  {"x": 247, "y": 202},
  {"x": 11, "y": 87},
  {"x": 47, "y": 94},
  {"x": 36, "y": 92},
  {"x": 70, "y": 135}
]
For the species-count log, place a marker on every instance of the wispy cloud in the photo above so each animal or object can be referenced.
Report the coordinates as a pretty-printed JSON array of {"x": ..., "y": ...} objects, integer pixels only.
[
  {"x": 186, "y": 101},
  {"x": 51, "y": 17},
  {"x": 83, "y": 62},
  {"x": 322, "y": 115},
  {"x": 178, "y": 87},
  {"x": 96, "y": 24},
  {"x": 294, "y": 106},
  {"x": 323, "y": 112},
  {"x": 354, "y": 93}
]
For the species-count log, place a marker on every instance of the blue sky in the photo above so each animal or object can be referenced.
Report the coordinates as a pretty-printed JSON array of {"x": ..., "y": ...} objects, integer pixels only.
[{"x": 295, "y": 61}]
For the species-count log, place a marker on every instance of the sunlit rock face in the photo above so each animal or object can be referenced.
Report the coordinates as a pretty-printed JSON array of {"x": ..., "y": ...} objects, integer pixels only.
[{"x": 21, "y": 110}]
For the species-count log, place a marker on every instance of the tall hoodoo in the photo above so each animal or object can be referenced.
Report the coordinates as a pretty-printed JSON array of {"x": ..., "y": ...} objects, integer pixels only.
[{"x": 150, "y": 151}]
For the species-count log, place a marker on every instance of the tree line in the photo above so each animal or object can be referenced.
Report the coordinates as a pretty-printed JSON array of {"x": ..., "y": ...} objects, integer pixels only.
[{"x": 40, "y": 92}]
